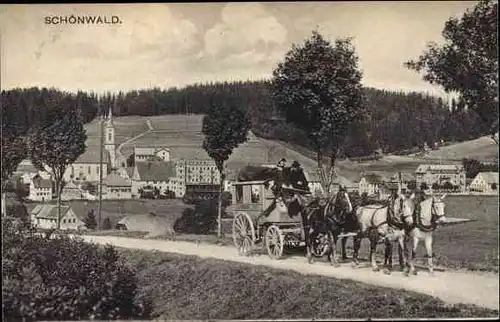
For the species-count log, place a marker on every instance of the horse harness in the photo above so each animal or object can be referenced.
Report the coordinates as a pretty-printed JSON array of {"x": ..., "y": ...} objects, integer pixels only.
[
  {"x": 417, "y": 218},
  {"x": 390, "y": 219}
]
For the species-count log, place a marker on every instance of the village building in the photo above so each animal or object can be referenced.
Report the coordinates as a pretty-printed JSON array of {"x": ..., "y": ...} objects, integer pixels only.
[
  {"x": 40, "y": 189},
  {"x": 118, "y": 187},
  {"x": 485, "y": 182},
  {"x": 71, "y": 191},
  {"x": 87, "y": 166},
  {"x": 194, "y": 172},
  {"x": 155, "y": 174},
  {"x": 142, "y": 154},
  {"x": 441, "y": 174},
  {"x": 370, "y": 184},
  {"x": 45, "y": 216}
]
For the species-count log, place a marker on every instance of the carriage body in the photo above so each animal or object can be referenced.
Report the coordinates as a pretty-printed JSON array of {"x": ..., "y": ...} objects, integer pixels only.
[{"x": 275, "y": 231}]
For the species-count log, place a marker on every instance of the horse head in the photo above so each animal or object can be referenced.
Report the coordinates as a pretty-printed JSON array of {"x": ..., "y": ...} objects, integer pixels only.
[
  {"x": 407, "y": 209},
  {"x": 341, "y": 206},
  {"x": 438, "y": 213}
]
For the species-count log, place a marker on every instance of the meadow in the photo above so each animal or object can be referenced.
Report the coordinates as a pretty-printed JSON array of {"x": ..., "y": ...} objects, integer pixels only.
[{"x": 187, "y": 287}]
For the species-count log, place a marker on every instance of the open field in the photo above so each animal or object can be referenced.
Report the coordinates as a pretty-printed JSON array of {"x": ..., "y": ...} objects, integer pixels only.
[
  {"x": 482, "y": 149},
  {"x": 126, "y": 127},
  {"x": 187, "y": 287}
]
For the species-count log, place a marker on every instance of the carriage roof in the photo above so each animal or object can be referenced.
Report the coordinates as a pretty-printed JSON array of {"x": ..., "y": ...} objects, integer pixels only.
[{"x": 247, "y": 183}]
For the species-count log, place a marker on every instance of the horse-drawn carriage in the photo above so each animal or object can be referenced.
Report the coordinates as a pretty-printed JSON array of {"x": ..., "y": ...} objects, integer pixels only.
[{"x": 277, "y": 230}]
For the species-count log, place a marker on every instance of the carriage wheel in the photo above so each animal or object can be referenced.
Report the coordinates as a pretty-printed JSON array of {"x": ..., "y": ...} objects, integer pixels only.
[
  {"x": 319, "y": 247},
  {"x": 274, "y": 242},
  {"x": 243, "y": 234}
]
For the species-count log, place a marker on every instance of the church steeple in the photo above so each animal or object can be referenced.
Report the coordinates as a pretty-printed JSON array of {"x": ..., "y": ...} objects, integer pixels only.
[{"x": 110, "y": 117}]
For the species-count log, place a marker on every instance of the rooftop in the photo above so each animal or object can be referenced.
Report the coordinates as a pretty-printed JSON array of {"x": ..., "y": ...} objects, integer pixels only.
[
  {"x": 115, "y": 180},
  {"x": 47, "y": 211},
  {"x": 92, "y": 155},
  {"x": 155, "y": 171},
  {"x": 439, "y": 167},
  {"x": 489, "y": 177}
]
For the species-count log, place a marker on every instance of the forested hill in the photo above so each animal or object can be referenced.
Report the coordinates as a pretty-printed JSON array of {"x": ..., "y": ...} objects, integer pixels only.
[{"x": 394, "y": 121}]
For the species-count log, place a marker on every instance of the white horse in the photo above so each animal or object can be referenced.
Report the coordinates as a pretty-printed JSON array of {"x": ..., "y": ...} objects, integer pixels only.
[
  {"x": 375, "y": 224},
  {"x": 431, "y": 213}
]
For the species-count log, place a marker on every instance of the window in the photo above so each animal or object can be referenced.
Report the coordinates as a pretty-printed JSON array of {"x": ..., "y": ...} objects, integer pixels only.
[
  {"x": 97, "y": 170},
  {"x": 239, "y": 193},
  {"x": 110, "y": 134},
  {"x": 88, "y": 169}
]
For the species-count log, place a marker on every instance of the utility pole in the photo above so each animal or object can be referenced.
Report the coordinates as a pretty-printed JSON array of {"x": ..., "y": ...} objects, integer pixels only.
[{"x": 100, "y": 167}]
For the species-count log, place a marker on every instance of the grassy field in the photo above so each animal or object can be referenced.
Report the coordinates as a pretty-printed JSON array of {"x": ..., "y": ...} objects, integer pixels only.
[
  {"x": 185, "y": 287},
  {"x": 483, "y": 149},
  {"x": 126, "y": 127}
]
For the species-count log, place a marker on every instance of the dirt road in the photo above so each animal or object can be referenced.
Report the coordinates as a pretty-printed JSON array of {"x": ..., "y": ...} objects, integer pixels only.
[{"x": 451, "y": 287}]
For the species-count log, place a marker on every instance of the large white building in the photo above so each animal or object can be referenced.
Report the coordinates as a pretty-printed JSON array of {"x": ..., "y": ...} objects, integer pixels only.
[
  {"x": 157, "y": 174},
  {"x": 440, "y": 174}
]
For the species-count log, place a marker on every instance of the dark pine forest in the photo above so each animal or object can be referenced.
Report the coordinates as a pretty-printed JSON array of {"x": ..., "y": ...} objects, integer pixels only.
[{"x": 395, "y": 122}]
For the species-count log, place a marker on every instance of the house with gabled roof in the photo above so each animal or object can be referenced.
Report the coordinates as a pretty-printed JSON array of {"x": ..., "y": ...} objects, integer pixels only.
[
  {"x": 71, "y": 191},
  {"x": 45, "y": 216},
  {"x": 40, "y": 189},
  {"x": 156, "y": 174},
  {"x": 117, "y": 187},
  {"x": 485, "y": 182}
]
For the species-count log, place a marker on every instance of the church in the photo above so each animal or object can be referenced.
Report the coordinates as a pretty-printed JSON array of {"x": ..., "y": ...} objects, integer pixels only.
[{"x": 87, "y": 166}]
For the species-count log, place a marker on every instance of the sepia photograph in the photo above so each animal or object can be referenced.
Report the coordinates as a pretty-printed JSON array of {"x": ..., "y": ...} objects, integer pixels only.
[{"x": 210, "y": 161}]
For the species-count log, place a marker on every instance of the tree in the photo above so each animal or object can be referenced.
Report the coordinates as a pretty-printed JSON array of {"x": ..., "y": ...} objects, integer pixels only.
[
  {"x": 57, "y": 140},
  {"x": 467, "y": 62},
  {"x": 90, "y": 221},
  {"x": 318, "y": 89},
  {"x": 106, "y": 224},
  {"x": 424, "y": 186},
  {"x": 13, "y": 147},
  {"x": 435, "y": 186},
  {"x": 131, "y": 160},
  {"x": 225, "y": 127},
  {"x": 472, "y": 167}
]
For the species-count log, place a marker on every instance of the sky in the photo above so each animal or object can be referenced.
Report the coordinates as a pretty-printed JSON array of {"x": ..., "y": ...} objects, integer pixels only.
[{"x": 175, "y": 44}]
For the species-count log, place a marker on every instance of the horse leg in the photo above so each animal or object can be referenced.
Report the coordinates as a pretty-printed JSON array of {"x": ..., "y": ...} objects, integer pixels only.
[
  {"x": 332, "y": 253},
  {"x": 412, "y": 270},
  {"x": 401, "y": 249},
  {"x": 373, "y": 248},
  {"x": 357, "y": 245},
  {"x": 308, "y": 239},
  {"x": 344, "y": 255},
  {"x": 428, "y": 249},
  {"x": 388, "y": 257}
]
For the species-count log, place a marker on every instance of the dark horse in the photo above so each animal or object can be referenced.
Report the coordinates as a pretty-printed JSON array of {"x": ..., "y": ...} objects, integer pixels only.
[{"x": 324, "y": 222}]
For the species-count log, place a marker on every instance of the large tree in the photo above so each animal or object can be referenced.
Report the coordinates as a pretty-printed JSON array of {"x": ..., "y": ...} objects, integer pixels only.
[
  {"x": 318, "y": 88},
  {"x": 467, "y": 61},
  {"x": 225, "y": 127},
  {"x": 13, "y": 147},
  {"x": 57, "y": 140}
]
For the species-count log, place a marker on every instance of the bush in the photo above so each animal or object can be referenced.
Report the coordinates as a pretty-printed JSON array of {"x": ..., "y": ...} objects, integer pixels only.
[
  {"x": 61, "y": 278},
  {"x": 106, "y": 224},
  {"x": 90, "y": 221}
]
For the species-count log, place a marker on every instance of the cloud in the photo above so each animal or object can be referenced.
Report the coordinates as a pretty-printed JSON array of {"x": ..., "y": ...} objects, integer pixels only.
[
  {"x": 149, "y": 40},
  {"x": 245, "y": 28}
]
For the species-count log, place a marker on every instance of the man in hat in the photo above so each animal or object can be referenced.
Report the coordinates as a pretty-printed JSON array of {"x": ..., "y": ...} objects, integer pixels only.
[{"x": 297, "y": 177}]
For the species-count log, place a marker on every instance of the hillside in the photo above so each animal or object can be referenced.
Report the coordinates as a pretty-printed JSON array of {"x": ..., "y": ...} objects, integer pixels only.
[
  {"x": 483, "y": 149},
  {"x": 182, "y": 134}
]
